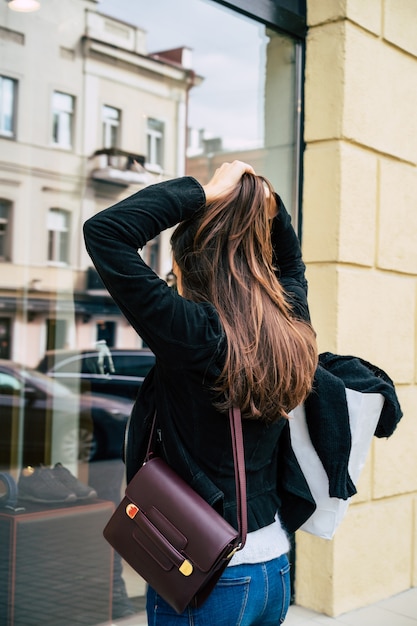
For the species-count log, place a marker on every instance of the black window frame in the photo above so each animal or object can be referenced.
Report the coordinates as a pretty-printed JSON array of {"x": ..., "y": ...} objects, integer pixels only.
[{"x": 288, "y": 16}]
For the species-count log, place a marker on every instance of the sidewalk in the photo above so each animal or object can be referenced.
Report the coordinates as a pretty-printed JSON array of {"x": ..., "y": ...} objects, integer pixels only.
[{"x": 399, "y": 610}]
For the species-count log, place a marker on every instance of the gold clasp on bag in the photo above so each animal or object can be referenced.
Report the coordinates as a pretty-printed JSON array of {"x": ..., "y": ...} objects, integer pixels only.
[
  {"x": 233, "y": 552},
  {"x": 131, "y": 510},
  {"x": 186, "y": 568}
]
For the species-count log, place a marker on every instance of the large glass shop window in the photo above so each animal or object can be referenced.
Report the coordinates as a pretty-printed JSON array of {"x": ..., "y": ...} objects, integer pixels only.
[{"x": 97, "y": 101}]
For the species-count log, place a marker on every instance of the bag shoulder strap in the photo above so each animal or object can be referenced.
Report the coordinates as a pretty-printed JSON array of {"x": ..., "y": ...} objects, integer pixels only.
[
  {"x": 235, "y": 419},
  {"x": 240, "y": 473}
]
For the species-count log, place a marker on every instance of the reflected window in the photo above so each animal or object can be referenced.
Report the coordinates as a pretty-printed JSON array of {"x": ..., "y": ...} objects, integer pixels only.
[
  {"x": 8, "y": 91},
  {"x": 155, "y": 138},
  {"x": 5, "y": 337},
  {"x": 106, "y": 330},
  {"x": 58, "y": 235},
  {"x": 111, "y": 126},
  {"x": 5, "y": 230},
  {"x": 62, "y": 119},
  {"x": 56, "y": 333}
]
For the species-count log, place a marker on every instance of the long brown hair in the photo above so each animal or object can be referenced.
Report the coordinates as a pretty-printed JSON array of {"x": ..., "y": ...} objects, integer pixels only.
[{"x": 225, "y": 254}]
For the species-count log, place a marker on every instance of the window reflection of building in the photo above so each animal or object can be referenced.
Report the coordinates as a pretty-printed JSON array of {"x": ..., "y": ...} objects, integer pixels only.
[
  {"x": 56, "y": 331},
  {"x": 106, "y": 331},
  {"x": 62, "y": 119},
  {"x": 111, "y": 122},
  {"x": 155, "y": 142},
  {"x": 4, "y": 337},
  {"x": 58, "y": 236},
  {"x": 111, "y": 106},
  {"x": 5, "y": 230},
  {"x": 8, "y": 92}
]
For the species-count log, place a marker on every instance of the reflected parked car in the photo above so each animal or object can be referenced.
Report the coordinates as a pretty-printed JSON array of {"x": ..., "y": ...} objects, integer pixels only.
[
  {"x": 37, "y": 412},
  {"x": 109, "y": 371}
]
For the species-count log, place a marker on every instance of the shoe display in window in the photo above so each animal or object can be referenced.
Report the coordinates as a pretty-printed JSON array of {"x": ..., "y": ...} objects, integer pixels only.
[
  {"x": 81, "y": 490},
  {"x": 38, "y": 484},
  {"x": 52, "y": 485}
]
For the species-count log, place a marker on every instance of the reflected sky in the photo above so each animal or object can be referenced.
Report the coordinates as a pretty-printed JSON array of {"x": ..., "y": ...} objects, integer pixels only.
[{"x": 228, "y": 51}]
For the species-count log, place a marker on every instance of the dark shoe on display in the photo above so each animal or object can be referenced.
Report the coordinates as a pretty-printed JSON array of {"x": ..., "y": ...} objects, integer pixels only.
[
  {"x": 81, "y": 490},
  {"x": 38, "y": 484}
]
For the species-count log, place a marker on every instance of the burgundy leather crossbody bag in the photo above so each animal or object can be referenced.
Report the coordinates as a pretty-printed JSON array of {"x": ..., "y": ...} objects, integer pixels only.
[{"x": 171, "y": 536}]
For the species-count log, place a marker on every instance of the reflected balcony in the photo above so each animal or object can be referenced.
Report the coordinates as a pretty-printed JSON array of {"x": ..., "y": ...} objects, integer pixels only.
[{"x": 118, "y": 167}]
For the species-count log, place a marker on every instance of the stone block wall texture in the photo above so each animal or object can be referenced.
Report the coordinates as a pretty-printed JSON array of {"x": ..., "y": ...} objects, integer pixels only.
[{"x": 360, "y": 246}]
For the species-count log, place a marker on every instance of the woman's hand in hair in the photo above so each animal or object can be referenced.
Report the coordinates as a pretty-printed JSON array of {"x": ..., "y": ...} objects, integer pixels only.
[{"x": 225, "y": 178}]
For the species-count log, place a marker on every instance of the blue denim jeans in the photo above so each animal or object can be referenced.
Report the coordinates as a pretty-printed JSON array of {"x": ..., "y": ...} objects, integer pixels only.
[{"x": 246, "y": 595}]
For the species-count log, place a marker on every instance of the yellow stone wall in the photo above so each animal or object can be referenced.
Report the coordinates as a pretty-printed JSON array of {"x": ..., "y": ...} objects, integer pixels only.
[{"x": 360, "y": 245}]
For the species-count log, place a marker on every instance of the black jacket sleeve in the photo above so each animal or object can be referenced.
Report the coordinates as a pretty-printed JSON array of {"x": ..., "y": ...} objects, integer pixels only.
[
  {"x": 165, "y": 321},
  {"x": 288, "y": 261}
]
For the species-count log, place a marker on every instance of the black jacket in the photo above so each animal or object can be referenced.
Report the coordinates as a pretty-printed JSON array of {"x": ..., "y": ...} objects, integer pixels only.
[
  {"x": 189, "y": 345},
  {"x": 327, "y": 420}
]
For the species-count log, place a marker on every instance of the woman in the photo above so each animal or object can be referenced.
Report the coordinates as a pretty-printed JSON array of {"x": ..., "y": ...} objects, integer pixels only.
[{"x": 232, "y": 334}]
